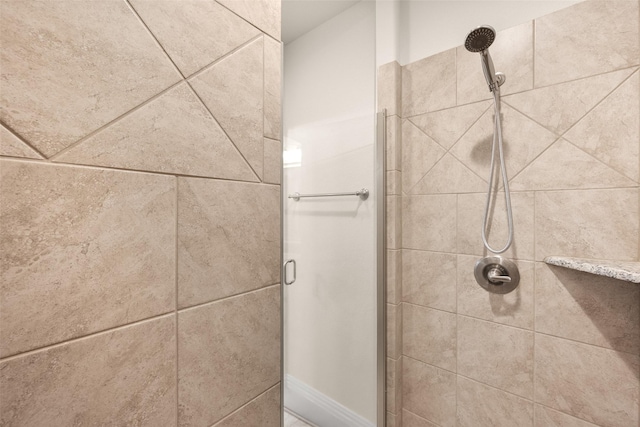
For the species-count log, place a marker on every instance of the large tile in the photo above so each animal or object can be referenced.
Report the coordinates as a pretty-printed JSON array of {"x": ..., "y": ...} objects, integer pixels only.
[
  {"x": 419, "y": 154},
  {"x": 498, "y": 355},
  {"x": 429, "y": 222},
  {"x": 272, "y": 88},
  {"x": 122, "y": 377},
  {"x": 585, "y": 39},
  {"x": 263, "y": 411},
  {"x": 393, "y": 143},
  {"x": 173, "y": 134},
  {"x": 514, "y": 309},
  {"x": 232, "y": 89},
  {"x": 68, "y": 69},
  {"x": 564, "y": 166},
  {"x": 523, "y": 141},
  {"x": 394, "y": 276},
  {"x": 483, "y": 406},
  {"x": 229, "y": 353},
  {"x": 429, "y": 392},
  {"x": 428, "y": 279},
  {"x": 585, "y": 307},
  {"x": 394, "y": 330},
  {"x": 448, "y": 176},
  {"x": 194, "y": 33},
  {"x": 409, "y": 419},
  {"x": 264, "y": 14},
  {"x": 447, "y": 126},
  {"x": 429, "y": 84},
  {"x": 591, "y": 383},
  {"x": 12, "y": 146},
  {"x": 547, "y": 417},
  {"x": 587, "y": 223},
  {"x": 272, "y": 161},
  {"x": 429, "y": 335},
  {"x": 470, "y": 215},
  {"x": 228, "y": 238},
  {"x": 390, "y": 88},
  {"x": 83, "y": 250},
  {"x": 512, "y": 54},
  {"x": 560, "y": 106},
  {"x": 611, "y": 132}
]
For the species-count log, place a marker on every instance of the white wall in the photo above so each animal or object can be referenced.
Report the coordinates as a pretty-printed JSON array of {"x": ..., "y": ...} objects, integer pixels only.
[
  {"x": 426, "y": 27},
  {"x": 329, "y": 112}
]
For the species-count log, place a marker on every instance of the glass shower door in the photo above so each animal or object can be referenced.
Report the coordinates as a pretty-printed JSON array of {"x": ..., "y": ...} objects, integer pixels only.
[{"x": 330, "y": 308}]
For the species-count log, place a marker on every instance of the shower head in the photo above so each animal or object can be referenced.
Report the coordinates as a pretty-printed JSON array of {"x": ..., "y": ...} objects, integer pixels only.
[{"x": 480, "y": 39}]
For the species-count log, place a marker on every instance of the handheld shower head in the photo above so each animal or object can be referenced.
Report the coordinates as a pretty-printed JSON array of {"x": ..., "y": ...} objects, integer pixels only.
[{"x": 478, "y": 41}]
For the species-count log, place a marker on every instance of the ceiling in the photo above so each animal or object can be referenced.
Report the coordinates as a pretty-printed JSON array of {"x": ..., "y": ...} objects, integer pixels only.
[{"x": 301, "y": 16}]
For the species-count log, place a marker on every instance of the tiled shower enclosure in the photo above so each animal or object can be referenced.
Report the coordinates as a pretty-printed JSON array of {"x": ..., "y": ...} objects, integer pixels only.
[
  {"x": 140, "y": 213},
  {"x": 563, "y": 348}
]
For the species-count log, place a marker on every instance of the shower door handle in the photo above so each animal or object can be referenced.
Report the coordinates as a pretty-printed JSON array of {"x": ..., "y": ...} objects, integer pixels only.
[{"x": 291, "y": 261}]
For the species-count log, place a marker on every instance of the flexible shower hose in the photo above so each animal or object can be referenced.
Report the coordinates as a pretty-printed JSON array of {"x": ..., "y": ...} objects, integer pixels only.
[{"x": 497, "y": 140}]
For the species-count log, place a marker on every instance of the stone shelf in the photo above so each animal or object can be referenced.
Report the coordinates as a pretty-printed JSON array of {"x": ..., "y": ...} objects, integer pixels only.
[{"x": 628, "y": 271}]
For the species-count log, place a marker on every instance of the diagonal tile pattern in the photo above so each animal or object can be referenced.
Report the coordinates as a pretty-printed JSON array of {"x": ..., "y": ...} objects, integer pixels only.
[
  {"x": 447, "y": 126},
  {"x": 610, "y": 132},
  {"x": 573, "y": 155},
  {"x": 590, "y": 38},
  {"x": 89, "y": 256},
  {"x": 560, "y": 106},
  {"x": 449, "y": 175},
  {"x": 194, "y": 33},
  {"x": 524, "y": 140},
  {"x": 419, "y": 154},
  {"x": 91, "y": 65},
  {"x": 11, "y": 146},
  {"x": 173, "y": 134},
  {"x": 264, "y": 14},
  {"x": 232, "y": 89},
  {"x": 564, "y": 166}
]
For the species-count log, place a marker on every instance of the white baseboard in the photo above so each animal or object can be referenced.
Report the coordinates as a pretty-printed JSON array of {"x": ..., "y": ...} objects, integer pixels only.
[{"x": 319, "y": 408}]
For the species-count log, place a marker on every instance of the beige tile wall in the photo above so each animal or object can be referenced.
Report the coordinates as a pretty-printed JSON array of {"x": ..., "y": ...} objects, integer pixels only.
[
  {"x": 139, "y": 213},
  {"x": 563, "y": 349}
]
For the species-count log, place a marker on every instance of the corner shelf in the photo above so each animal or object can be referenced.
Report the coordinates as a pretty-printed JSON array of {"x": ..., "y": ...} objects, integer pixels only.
[{"x": 628, "y": 271}]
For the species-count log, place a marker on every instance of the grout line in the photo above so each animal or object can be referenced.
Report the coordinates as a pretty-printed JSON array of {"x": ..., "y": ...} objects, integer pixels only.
[
  {"x": 110, "y": 168},
  {"x": 224, "y": 130},
  {"x": 176, "y": 305},
  {"x": 241, "y": 407},
  {"x": 533, "y": 369},
  {"x": 241, "y": 294},
  {"x": 207, "y": 67},
  {"x": 112, "y": 122},
  {"x": 422, "y": 418},
  {"x": 533, "y": 64},
  {"x": 23, "y": 140},
  {"x": 86, "y": 337},
  {"x": 264, "y": 90},
  {"x": 248, "y": 22},
  {"x": 144, "y": 24}
]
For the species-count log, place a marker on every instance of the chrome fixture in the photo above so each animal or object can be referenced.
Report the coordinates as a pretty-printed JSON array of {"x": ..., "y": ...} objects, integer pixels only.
[
  {"x": 478, "y": 41},
  {"x": 496, "y": 274},
  {"x": 362, "y": 193},
  {"x": 284, "y": 272}
]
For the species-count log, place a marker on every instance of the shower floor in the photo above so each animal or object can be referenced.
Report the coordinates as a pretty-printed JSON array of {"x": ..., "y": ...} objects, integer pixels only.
[{"x": 291, "y": 420}]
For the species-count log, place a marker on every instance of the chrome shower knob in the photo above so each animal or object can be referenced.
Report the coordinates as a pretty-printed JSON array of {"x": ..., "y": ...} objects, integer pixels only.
[{"x": 496, "y": 274}]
